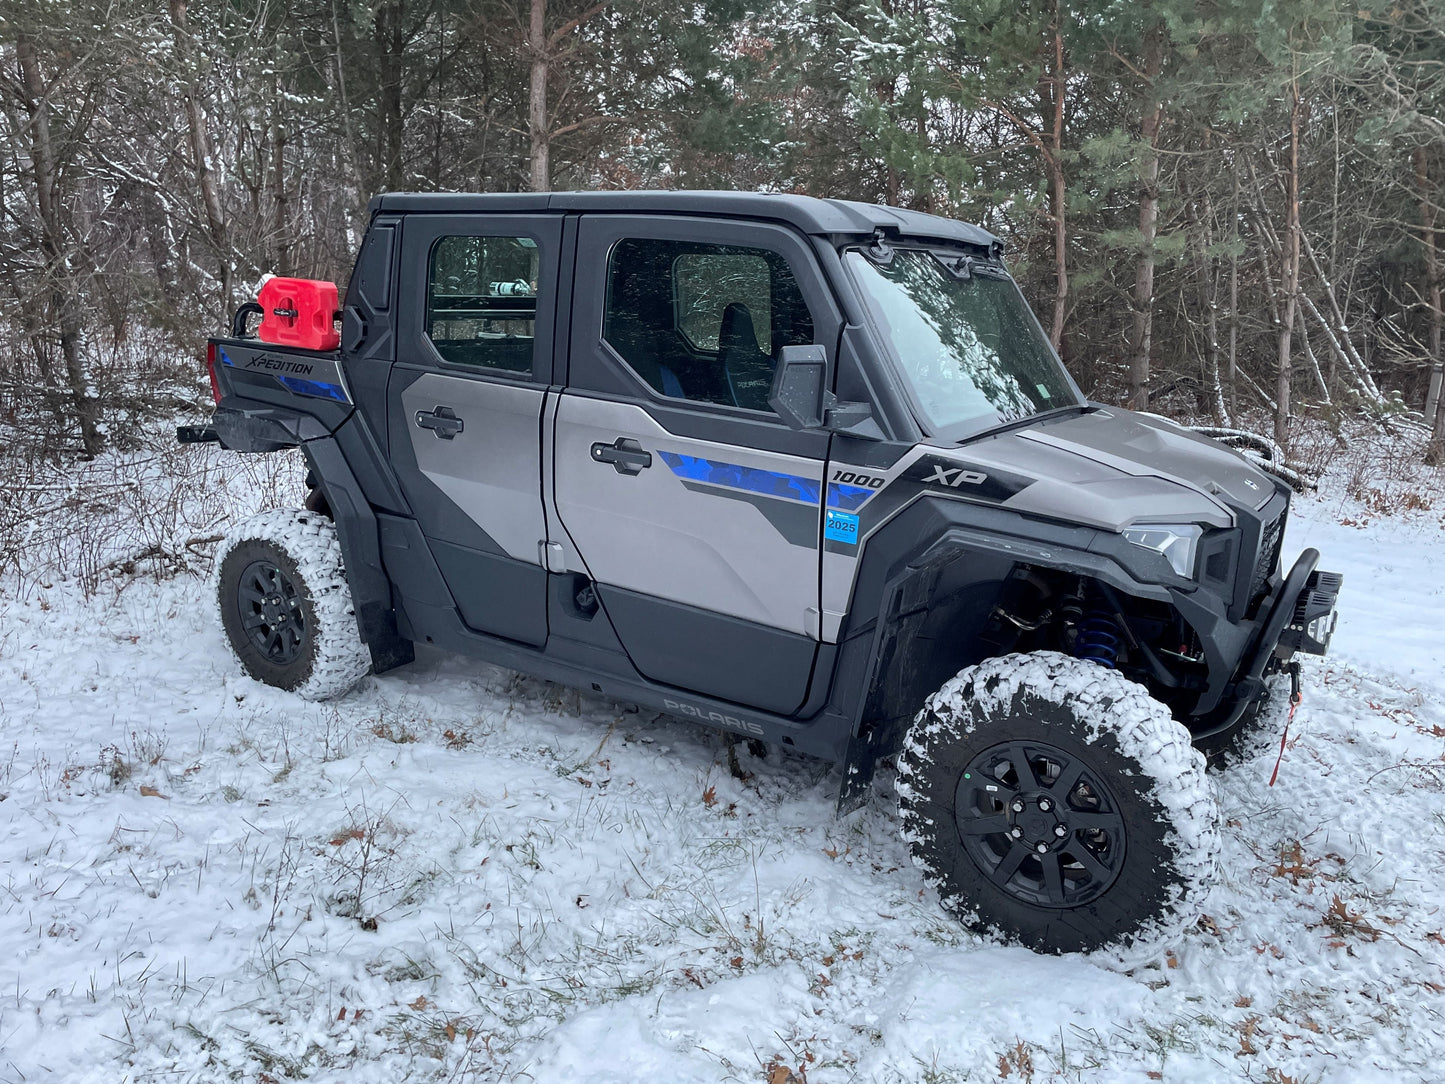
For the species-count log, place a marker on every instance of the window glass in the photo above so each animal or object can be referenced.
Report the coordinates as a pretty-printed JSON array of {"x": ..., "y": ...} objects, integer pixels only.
[
  {"x": 963, "y": 339},
  {"x": 703, "y": 322},
  {"x": 482, "y": 301},
  {"x": 707, "y": 282}
]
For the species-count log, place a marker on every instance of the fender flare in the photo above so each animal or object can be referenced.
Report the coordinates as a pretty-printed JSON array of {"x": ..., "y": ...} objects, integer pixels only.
[
  {"x": 360, "y": 537},
  {"x": 993, "y": 539}
]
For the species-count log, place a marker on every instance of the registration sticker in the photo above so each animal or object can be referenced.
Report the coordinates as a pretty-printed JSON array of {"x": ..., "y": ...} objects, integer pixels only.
[{"x": 841, "y": 527}]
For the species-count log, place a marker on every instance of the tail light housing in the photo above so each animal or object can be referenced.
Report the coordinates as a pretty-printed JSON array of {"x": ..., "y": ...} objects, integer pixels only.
[{"x": 211, "y": 372}]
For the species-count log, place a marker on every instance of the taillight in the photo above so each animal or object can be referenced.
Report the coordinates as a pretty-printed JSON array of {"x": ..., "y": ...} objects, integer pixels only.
[{"x": 211, "y": 371}]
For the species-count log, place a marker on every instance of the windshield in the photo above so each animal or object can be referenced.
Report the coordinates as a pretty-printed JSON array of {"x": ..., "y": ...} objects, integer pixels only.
[{"x": 967, "y": 345}]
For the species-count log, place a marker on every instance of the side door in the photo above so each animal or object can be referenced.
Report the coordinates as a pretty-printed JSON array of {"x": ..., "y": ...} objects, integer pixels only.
[
  {"x": 694, "y": 508},
  {"x": 464, "y": 405}
]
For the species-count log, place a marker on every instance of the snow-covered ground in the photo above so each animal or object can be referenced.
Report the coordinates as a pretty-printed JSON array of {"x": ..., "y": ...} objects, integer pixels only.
[{"x": 456, "y": 873}]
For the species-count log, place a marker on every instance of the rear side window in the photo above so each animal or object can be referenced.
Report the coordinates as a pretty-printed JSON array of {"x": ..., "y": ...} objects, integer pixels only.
[
  {"x": 482, "y": 301},
  {"x": 703, "y": 322}
]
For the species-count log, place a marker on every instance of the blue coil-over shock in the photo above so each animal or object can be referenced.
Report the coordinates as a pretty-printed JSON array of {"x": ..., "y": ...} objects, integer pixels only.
[{"x": 1099, "y": 635}]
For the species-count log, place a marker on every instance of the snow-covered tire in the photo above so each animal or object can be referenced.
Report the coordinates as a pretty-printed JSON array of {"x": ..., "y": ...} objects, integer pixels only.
[
  {"x": 1118, "y": 861},
  {"x": 286, "y": 607}
]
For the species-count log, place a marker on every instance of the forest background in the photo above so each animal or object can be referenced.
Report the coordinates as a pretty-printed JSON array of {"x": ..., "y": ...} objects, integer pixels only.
[{"x": 1223, "y": 210}]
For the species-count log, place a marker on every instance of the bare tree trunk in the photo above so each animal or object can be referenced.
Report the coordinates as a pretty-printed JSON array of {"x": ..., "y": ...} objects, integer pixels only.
[
  {"x": 389, "y": 47},
  {"x": 1140, "y": 340},
  {"x": 59, "y": 274},
  {"x": 1201, "y": 213},
  {"x": 278, "y": 180},
  {"x": 1314, "y": 364},
  {"x": 349, "y": 148},
  {"x": 1054, "y": 160},
  {"x": 1434, "y": 409},
  {"x": 1289, "y": 274},
  {"x": 1234, "y": 300},
  {"x": 537, "y": 47},
  {"x": 201, "y": 146}
]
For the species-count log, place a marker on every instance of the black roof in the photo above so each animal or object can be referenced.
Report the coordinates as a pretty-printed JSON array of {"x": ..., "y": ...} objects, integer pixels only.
[{"x": 811, "y": 215}]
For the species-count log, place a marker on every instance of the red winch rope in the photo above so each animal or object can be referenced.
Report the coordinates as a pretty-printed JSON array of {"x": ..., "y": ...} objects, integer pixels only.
[{"x": 1295, "y": 697}]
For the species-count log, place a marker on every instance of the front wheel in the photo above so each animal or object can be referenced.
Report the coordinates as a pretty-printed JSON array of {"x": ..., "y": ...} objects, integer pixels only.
[
  {"x": 1053, "y": 802},
  {"x": 286, "y": 607}
]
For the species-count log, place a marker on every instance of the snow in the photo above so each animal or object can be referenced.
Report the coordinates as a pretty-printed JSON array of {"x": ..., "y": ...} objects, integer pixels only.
[{"x": 459, "y": 873}]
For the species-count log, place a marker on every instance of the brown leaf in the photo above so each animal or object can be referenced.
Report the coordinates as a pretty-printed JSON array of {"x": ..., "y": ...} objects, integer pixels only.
[
  {"x": 1242, "y": 1002},
  {"x": 1171, "y": 959},
  {"x": 151, "y": 792},
  {"x": 420, "y": 1003},
  {"x": 451, "y": 1030},
  {"x": 342, "y": 1014},
  {"x": 736, "y": 961},
  {"x": 709, "y": 797}
]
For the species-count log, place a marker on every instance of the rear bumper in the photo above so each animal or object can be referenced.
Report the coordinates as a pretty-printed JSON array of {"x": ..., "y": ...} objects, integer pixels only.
[{"x": 1300, "y": 618}]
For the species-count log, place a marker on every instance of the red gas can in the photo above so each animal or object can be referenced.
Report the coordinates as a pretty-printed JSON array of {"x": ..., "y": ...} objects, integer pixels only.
[{"x": 300, "y": 313}]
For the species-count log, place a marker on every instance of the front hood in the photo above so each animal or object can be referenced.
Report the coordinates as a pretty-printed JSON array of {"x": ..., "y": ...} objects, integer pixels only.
[{"x": 1111, "y": 467}]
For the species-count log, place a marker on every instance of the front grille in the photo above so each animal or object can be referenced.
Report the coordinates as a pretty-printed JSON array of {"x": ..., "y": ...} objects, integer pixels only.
[{"x": 1270, "y": 539}]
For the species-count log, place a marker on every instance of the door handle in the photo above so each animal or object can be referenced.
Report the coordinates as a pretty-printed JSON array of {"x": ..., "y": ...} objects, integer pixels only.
[
  {"x": 626, "y": 456},
  {"x": 442, "y": 421}
]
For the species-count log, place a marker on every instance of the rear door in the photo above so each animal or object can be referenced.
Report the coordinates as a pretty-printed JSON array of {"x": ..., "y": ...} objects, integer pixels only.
[
  {"x": 464, "y": 406},
  {"x": 693, "y": 507}
]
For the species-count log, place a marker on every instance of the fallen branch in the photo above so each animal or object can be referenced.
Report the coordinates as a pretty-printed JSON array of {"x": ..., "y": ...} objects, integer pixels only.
[{"x": 1261, "y": 451}]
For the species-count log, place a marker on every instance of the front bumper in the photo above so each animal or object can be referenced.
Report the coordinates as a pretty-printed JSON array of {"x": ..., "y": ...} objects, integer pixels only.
[{"x": 1300, "y": 618}]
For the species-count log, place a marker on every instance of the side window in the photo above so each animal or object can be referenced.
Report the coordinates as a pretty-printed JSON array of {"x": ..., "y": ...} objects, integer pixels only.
[
  {"x": 703, "y": 322},
  {"x": 482, "y": 301}
]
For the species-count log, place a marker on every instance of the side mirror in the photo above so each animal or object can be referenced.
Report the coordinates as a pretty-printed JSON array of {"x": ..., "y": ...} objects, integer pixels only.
[{"x": 800, "y": 396}]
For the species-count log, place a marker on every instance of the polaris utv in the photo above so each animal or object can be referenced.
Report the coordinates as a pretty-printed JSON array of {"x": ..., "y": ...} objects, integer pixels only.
[{"x": 805, "y": 470}]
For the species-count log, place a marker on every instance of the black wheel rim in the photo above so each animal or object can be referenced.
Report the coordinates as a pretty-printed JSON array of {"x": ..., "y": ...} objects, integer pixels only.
[
  {"x": 1039, "y": 824},
  {"x": 271, "y": 615}
]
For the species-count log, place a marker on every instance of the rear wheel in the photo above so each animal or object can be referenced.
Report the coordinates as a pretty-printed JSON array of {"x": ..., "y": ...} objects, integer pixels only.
[
  {"x": 1054, "y": 802},
  {"x": 286, "y": 607}
]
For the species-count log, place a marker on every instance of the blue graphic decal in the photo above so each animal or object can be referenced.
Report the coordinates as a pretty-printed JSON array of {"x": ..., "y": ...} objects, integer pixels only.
[
  {"x": 841, "y": 527},
  {"x": 314, "y": 388},
  {"x": 754, "y": 480},
  {"x": 226, "y": 358},
  {"x": 848, "y": 498}
]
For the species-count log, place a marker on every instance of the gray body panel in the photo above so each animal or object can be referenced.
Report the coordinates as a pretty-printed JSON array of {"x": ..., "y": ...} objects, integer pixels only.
[
  {"x": 491, "y": 469},
  {"x": 1106, "y": 469},
  {"x": 659, "y": 534}
]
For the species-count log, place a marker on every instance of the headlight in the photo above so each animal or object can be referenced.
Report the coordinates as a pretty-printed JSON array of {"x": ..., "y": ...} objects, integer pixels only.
[{"x": 1176, "y": 541}]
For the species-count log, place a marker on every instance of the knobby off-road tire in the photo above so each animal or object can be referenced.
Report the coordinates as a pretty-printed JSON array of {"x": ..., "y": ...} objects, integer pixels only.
[
  {"x": 1053, "y": 802},
  {"x": 286, "y": 607}
]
